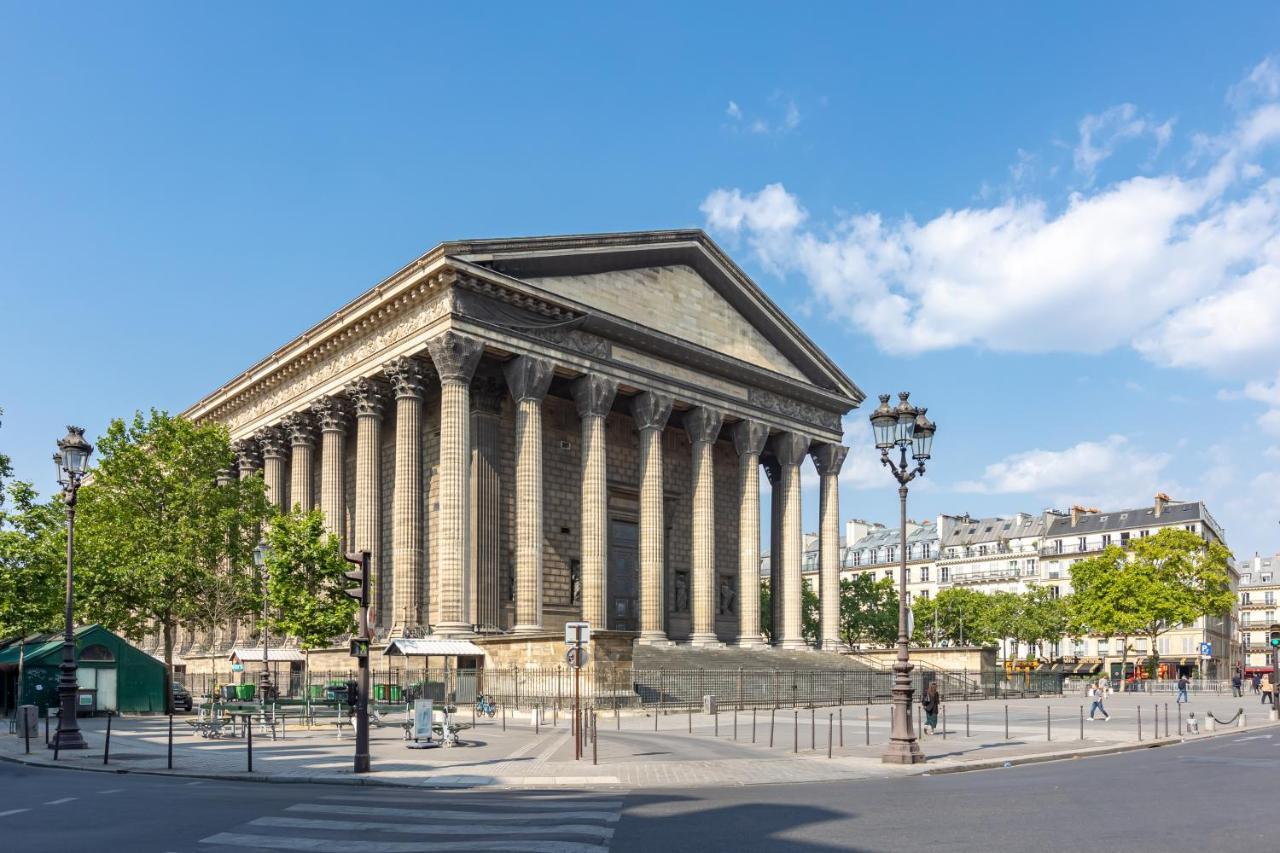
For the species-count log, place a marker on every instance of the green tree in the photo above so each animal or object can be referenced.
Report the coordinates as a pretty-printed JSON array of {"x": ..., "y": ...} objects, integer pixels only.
[
  {"x": 1102, "y": 602},
  {"x": 160, "y": 542},
  {"x": 868, "y": 610},
  {"x": 1043, "y": 615},
  {"x": 955, "y": 615},
  {"x": 766, "y": 611},
  {"x": 811, "y": 613},
  {"x": 305, "y": 583},
  {"x": 1000, "y": 619}
]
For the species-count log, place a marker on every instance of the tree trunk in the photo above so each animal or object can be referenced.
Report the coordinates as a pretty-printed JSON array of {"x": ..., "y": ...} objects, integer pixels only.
[
  {"x": 1124, "y": 659},
  {"x": 22, "y": 660},
  {"x": 1154, "y": 659},
  {"x": 168, "y": 664}
]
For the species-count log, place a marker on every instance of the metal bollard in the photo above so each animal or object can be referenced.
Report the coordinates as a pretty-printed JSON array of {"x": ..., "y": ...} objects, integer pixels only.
[
  {"x": 690, "y": 719},
  {"x": 1139, "y": 722},
  {"x": 715, "y": 720},
  {"x": 944, "y": 722},
  {"x": 555, "y": 715},
  {"x": 26, "y": 733},
  {"x": 867, "y": 719},
  {"x": 1166, "y": 719},
  {"x": 772, "y": 713},
  {"x": 1081, "y": 722},
  {"x": 595, "y": 733},
  {"x": 753, "y": 725},
  {"x": 57, "y": 744},
  {"x": 966, "y": 720},
  {"x": 1048, "y": 723},
  {"x": 46, "y": 727},
  {"x": 170, "y": 764},
  {"x": 795, "y": 731},
  {"x": 248, "y": 727},
  {"x": 735, "y": 723},
  {"x": 842, "y": 727},
  {"x": 813, "y": 734},
  {"x": 504, "y": 718},
  {"x": 617, "y": 717},
  {"x": 829, "y": 721},
  {"x": 106, "y": 746},
  {"x": 537, "y": 719},
  {"x": 1006, "y": 722}
]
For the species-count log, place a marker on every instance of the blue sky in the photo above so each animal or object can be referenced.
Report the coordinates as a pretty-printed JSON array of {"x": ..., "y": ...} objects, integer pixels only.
[{"x": 1058, "y": 230}]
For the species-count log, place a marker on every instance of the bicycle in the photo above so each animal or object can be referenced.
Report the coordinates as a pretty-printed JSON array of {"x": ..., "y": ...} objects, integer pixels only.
[{"x": 485, "y": 707}]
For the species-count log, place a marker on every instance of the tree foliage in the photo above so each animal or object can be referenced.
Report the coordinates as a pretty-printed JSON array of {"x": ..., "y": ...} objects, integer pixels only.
[
  {"x": 160, "y": 541},
  {"x": 955, "y": 616},
  {"x": 868, "y": 610},
  {"x": 305, "y": 583}
]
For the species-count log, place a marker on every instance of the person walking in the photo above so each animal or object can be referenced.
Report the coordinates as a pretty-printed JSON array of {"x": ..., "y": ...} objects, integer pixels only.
[
  {"x": 931, "y": 702},
  {"x": 1182, "y": 690},
  {"x": 1268, "y": 692},
  {"x": 1098, "y": 694},
  {"x": 1237, "y": 684},
  {"x": 1256, "y": 682}
]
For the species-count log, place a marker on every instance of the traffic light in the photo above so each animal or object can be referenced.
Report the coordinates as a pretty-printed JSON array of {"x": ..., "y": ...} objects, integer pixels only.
[
  {"x": 353, "y": 693},
  {"x": 360, "y": 576},
  {"x": 1274, "y": 636}
]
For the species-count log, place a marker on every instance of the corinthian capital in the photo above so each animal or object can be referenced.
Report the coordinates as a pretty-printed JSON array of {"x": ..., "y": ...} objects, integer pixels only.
[
  {"x": 273, "y": 443},
  {"x": 749, "y": 437},
  {"x": 651, "y": 410},
  {"x": 456, "y": 356},
  {"x": 528, "y": 377},
  {"x": 828, "y": 458},
  {"x": 594, "y": 395},
  {"x": 369, "y": 396},
  {"x": 703, "y": 424},
  {"x": 300, "y": 429},
  {"x": 331, "y": 413},
  {"x": 790, "y": 447},
  {"x": 409, "y": 376},
  {"x": 248, "y": 456}
]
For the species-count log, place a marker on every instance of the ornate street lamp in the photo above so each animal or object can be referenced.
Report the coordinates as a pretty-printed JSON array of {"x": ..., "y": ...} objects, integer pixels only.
[
  {"x": 904, "y": 427},
  {"x": 71, "y": 462},
  {"x": 260, "y": 554}
]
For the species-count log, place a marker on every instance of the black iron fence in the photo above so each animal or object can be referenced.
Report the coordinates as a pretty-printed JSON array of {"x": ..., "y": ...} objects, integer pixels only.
[{"x": 625, "y": 687}]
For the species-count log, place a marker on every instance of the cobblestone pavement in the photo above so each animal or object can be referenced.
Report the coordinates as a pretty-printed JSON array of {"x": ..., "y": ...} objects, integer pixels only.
[{"x": 781, "y": 746}]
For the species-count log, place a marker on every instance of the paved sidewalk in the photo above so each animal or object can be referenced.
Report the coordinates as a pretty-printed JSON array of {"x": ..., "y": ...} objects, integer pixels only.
[{"x": 685, "y": 751}]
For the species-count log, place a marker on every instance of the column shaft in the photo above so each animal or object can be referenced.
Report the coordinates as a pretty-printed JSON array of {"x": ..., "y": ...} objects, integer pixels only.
[
  {"x": 331, "y": 414},
  {"x": 408, "y": 595},
  {"x": 594, "y": 396},
  {"x": 703, "y": 426},
  {"x": 790, "y": 449},
  {"x": 528, "y": 378},
  {"x": 774, "y": 472},
  {"x": 651, "y": 411},
  {"x": 749, "y": 438},
  {"x": 827, "y": 459},
  {"x": 368, "y": 396}
]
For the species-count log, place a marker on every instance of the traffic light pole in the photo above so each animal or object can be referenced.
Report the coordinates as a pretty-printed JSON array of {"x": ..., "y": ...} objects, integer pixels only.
[{"x": 361, "y": 594}]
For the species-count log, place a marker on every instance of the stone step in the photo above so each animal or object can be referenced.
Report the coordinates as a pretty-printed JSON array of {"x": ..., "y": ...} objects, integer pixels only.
[{"x": 687, "y": 658}]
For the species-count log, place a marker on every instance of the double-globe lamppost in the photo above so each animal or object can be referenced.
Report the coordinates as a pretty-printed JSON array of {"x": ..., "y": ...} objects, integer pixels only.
[
  {"x": 71, "y": 462},
  {"x": 906, "y": 428},
  {"x": 260, "y": 555}
]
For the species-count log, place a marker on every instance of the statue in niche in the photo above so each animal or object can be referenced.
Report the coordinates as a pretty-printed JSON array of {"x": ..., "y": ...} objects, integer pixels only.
[
  {"x": 575, "y": 582},
  {"x": 728, "y": 596},
  {"x": 681, "y": 592}
]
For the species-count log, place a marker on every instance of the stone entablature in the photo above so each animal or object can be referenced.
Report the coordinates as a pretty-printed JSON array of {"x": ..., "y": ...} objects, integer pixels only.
[{"x": 381, "y": 414}]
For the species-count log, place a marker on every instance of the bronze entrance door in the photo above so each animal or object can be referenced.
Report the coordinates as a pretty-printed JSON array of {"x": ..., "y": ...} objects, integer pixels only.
[{"x": 624, "y": 576}]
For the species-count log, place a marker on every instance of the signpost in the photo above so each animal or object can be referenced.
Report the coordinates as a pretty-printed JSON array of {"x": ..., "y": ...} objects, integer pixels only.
[
  {"x": 360, "y": 651},
  {"x": 577, "y": 635}
]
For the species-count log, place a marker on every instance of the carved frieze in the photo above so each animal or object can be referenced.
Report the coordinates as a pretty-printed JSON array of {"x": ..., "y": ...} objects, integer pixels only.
[{"x": 794, "y": 409}]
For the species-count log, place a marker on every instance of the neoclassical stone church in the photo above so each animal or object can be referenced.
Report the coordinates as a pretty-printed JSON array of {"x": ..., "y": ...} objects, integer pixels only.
[{"x": 529, "y": 431}]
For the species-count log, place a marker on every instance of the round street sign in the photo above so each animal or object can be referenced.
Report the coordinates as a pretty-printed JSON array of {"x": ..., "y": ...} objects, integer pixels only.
[{"x": 576, "y": 657}]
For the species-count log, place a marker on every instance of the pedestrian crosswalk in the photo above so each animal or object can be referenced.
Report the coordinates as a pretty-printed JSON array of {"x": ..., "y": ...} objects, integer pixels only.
[{"x": 431, "y": 822}]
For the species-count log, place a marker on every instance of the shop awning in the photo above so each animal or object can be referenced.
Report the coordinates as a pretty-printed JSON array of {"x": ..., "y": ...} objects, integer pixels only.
[
  {"x": 1084, "y": 668},
  {"x": 433, "y": 647},
  {"x": 247, "y": 655}
]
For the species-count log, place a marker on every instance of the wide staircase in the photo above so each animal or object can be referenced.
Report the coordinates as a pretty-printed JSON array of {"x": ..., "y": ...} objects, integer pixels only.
[{"x": 681, "y": 657}]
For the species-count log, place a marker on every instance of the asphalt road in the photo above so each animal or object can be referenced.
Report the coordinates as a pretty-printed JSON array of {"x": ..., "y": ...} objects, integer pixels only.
[{"x": 1213, "y": 795}]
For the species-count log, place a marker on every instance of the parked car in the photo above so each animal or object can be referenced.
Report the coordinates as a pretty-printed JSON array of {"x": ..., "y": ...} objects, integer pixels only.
[{"x": 181, "y": 697}]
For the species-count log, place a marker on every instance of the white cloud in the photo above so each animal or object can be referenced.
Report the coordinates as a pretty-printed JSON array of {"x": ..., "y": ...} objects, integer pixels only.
[
  {"x": 733, "y": 111},
  {"x": 1166, "y": 263},
  {"x": 1101, "y": 133},
  {"x": 1261, "y": 83},
  {"x": 779, "y": 116},
  {"x": 1110, "y": 473}
]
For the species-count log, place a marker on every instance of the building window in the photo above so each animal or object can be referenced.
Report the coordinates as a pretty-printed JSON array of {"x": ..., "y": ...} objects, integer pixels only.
[
  {"x": 1246, "y": 617},
  {"x": 1106, "y": 539},
  {"x": 875, "y": 556},
  {"x": 1271, "y": 616},
  {"x": 1266, "y": 578},
  {"x": 1124, "y": 539},
  {"x": 924, "y": 595},
  {"x": 1057, "y": 546},
  {"x": 1268, "y": 597},
  {"x": 888, "y": 573},
  {"x": 1186, "y": 645},
  {"x": 908, "y": 597},
  {"x": 944, "y": 573},
  {"x": 1054, "y": 592},
  {"x": 1081, "y": 544},
  {"x": 924, "y": 574},
  {"x": 968, "y": 552},
  {"x": 1143, "y": 534},
  {"x": 1103, "y": 646},
  {"x": 1164, "y": 645},
  {"x": 982, "y": 550},
  {"x": 1247, "y": 639},
  {"x": 1244, "y": 598},
  {"x": 924, "y": 551},
  {"x": 892, "y": 553}
]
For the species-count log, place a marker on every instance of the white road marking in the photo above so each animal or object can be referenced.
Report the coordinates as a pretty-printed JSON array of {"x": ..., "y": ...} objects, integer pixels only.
[
  {"x": 111, "y": 791},
  {"x": 13, "y": 811},
  {"x": 602, "y": 832},
  {"x": 1251, "y": 737},
  {"x": 449, "y": 814},
  {"x": 327, "y": 845},
  {"x": 488, "y": 802},
  {"x": 61, "y": 801}
]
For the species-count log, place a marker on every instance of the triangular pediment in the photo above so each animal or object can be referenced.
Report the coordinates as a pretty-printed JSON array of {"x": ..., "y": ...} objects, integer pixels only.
[{"x": 678, "y": 283}]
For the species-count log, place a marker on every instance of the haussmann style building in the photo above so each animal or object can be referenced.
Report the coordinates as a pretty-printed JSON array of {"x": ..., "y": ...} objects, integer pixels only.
[{"x": 528, "y": 431}]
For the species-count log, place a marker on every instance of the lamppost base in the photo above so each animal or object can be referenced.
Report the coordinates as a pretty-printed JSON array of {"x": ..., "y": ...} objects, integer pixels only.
[
  {"x": 903, "y": 752},
  {"x": 68, "y": 740}
]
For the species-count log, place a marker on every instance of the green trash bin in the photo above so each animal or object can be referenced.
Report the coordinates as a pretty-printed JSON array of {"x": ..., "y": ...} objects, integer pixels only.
[
  {"x": 244, "y": 692},
  {"x": 317, "y": 691},
  {"x": 396, "y": 694},
  {"x": 380, "y": 692}
]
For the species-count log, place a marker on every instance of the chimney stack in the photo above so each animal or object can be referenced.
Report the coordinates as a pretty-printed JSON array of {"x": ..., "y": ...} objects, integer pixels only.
[{"x": 1162, "y": 501}]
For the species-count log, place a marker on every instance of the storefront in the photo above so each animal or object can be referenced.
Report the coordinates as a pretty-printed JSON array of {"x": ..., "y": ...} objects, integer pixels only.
[{"x": 112, "y": 674}]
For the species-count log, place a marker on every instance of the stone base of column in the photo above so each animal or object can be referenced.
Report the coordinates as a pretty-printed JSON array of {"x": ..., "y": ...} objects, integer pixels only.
[
  {"x": 706, "y": 641},
  {"x": 454, "y": 629},
  {"x": 654, "y": 638},
  {"x": 831, "y": 645},
  {"x": 529, "y": 629},
  {"x": 793, "y": 645},
  {"x": 751, "y": 643}
]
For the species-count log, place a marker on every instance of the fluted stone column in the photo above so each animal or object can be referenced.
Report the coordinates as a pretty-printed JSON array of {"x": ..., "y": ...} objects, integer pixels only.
[
  {"x": 651, "y": 411},
  {"x": 275, "y": 453},
  {"x": 368, "y": 397},
  {"x": 218, "y": 636},
  {"x": 594, "y": 396},
  {"x": 487, "y": 393},
  {"x": 703, "y": 426},
  {"x": 528, "y": 378},
  {"x": 748, "y": 439},
  {"x": 790, "y": 448},
  {"x": 456, "y": 358},
  {"x": 408, "y": 583},
  {"x": 773, "y": 471},
  {"x": 332, "y": 415},
  {"x": 248, "y": 464},
  {"x": 302, "y": 442},
  {"x": 827, "y": 459}
]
